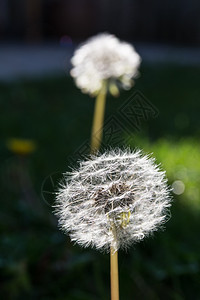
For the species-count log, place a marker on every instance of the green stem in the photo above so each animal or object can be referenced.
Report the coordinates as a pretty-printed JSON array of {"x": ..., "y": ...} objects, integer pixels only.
[
  {"x": 114, "y": 280},
  {"x": 97, "y": 128}
]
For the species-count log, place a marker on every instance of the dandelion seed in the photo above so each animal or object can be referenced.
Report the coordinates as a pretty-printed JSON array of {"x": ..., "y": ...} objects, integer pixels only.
[
  {"x": 104, "y": 58},
  {"x": 114, "y": 199},
  {"x": 102, "y": 65}
]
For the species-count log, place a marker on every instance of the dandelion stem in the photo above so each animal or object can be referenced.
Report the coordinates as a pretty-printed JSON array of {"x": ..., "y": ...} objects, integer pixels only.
[
  {"x": 97, "y": 128},
  {"x": 114, "y": 281}
]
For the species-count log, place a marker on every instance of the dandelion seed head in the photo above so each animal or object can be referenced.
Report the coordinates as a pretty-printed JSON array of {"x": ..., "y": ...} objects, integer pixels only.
[
  {"x": 116, "y": 198},
  {"x": 104, "y": 58}
]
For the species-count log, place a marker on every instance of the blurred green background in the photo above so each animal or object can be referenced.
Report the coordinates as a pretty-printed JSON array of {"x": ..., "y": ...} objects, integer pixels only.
[{"x": 37, "y": 261}]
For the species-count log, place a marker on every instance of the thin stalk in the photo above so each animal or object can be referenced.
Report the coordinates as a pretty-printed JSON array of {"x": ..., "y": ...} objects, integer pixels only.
[
  {"x": 114, "y": 281},
  {"x": 97, "y": 128},
  {"x": 97, "y": 133}
]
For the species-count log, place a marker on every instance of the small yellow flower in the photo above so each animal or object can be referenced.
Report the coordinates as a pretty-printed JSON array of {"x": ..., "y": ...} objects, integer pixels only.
[{"x": 21, "y": 146}]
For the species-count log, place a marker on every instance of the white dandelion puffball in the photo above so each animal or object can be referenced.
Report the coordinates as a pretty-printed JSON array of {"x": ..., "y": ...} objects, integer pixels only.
[
  {"x": 113, "y": 199},
  {"x": 104, "y": 58}
]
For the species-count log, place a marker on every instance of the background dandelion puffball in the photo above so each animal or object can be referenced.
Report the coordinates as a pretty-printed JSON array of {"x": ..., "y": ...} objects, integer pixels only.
[
  {"x": 104, "y": 58},
  {"x": 116, "y": 198}
]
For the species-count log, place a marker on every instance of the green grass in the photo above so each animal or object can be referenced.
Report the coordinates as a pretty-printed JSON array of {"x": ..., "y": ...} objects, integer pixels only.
[
  {"x": 180, "y": 158},
  {"x": 37, "y": 261}
]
